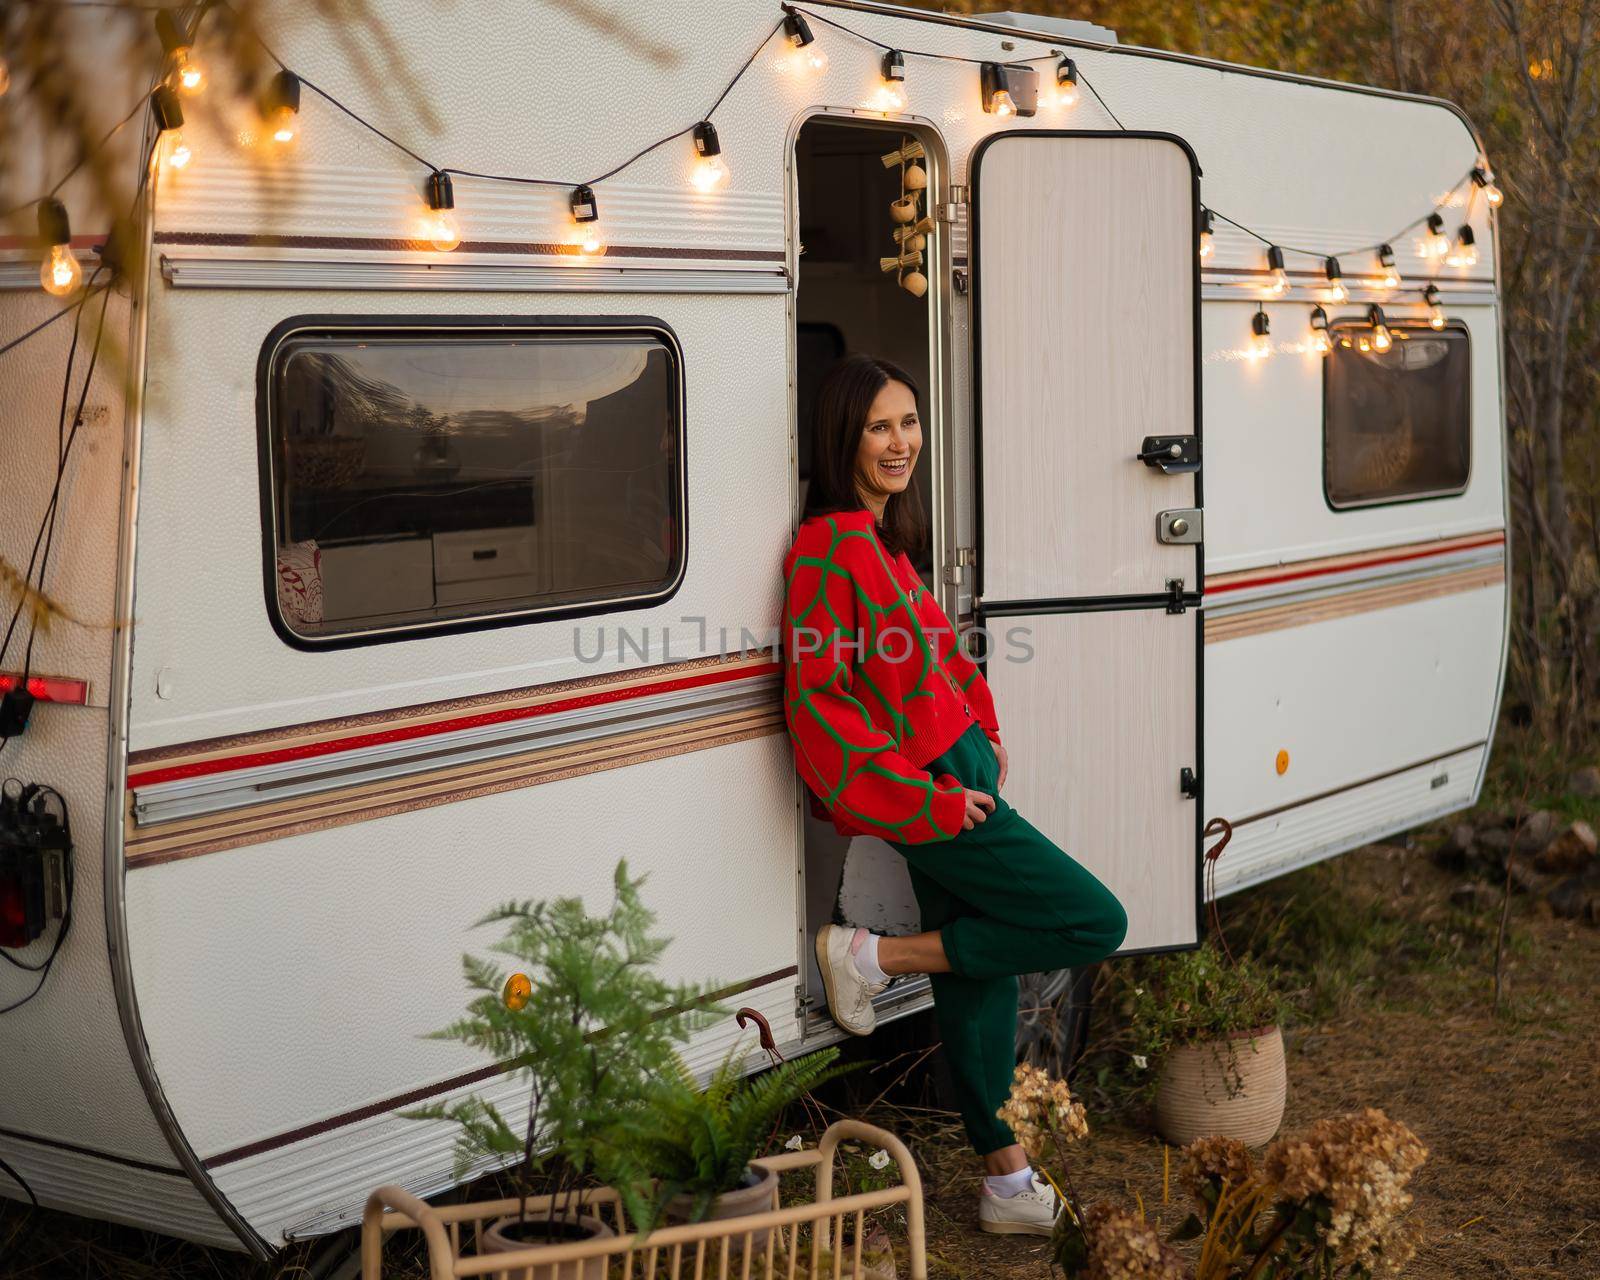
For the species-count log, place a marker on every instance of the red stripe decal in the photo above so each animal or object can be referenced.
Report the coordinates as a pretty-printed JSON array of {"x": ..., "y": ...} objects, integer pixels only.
[
  {"x": 333, "y": 746},
  {"x": 1294, "y": 576}
]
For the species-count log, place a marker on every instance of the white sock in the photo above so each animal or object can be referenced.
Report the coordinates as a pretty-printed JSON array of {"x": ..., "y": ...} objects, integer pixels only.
[
  {"x": 867, "y": 960},
  {"x": 1008, "y": 1184}
]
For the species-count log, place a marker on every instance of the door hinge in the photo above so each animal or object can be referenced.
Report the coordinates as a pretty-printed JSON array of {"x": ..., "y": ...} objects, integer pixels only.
[
  {"x": 1188, "y": 783},
  {"x": 949, "y": 210},
  {"x": 1175, "y": 601},
  {"x": 955, "y": 570}
]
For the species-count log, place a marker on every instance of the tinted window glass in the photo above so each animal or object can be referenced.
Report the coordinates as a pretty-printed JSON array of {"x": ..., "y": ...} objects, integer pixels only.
[
  {"x": 421, "y": 477},
  {"x": 1397, "y": 424}
]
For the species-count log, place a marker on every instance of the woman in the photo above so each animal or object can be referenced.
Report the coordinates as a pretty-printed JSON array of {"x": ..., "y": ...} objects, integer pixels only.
[{"x": 894, "y": 732}]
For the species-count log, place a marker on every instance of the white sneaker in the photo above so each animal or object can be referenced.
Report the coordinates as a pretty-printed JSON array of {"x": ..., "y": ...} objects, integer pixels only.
[
  {"x": 1028, "y": 1213},
  {"x": 849, "y": 993}
]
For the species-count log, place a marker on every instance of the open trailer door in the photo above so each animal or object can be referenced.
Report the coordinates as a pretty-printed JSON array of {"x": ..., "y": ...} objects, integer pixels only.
[{"x": 1086, "y": 391}]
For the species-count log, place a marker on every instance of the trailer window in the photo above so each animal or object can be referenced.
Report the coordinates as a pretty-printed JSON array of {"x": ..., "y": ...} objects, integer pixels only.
[
  {"x": 454, "y": 473},
  {"x": 1397, "y": 424}
]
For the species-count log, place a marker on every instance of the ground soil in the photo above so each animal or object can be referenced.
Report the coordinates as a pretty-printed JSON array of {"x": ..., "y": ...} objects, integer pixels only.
[{"x": 1504, "y": 1098}]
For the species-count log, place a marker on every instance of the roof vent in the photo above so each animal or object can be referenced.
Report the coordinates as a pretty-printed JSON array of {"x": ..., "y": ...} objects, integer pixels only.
[{"x": 1066, "y": 28}]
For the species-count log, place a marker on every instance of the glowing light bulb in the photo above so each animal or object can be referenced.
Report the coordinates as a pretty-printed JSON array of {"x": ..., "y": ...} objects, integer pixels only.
[
  {"x": 710, "y": 169},
  {"x": 1464, "y": 253},
  {"x": 1279, "y": 283},
  {"x": 806, "y": 55},
  {"x": 1000, "y": 103},
  {"x": 61, "y": 273},
  {"x": 189, "y": 74},
  {"x": 1260, "y": 336},
  {"x": 280, "y": 108},
  {"x": 1435, "y": 244},
  {"x": 1321, "y": 342},
  {"x": 1391, "y": 273},
  {"x": 586, "y": 235},
  {"x": 1484, "y": 177},
  {"x": 1064, "y": 95},
  {"x": 176, "y": 153},
  {"x": 1381, "y": 341},
  {"x": 1208, "y": 246},
  {"x": 890, "y": 98},
  {"x": 440, "y": 229},
  {"x": 1436, "y": 317},
  {"x": 709, "y": 173}
]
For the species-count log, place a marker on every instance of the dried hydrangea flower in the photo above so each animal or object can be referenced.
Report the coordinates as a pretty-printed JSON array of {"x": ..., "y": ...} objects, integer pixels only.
[
  {"x": 1039, "y": 1104},
  {"x": 1123, "y": 1247},
  {"x": 1224, "y": 1159},
  {"x": 1359, "y": 1163}
]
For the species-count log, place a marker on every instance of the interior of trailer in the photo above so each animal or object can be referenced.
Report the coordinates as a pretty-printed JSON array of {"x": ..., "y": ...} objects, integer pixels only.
[{"x": 845, "y": 303}]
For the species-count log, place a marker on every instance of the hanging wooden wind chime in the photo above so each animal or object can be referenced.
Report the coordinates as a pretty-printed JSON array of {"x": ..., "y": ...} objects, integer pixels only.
[{"x": 912, "y": 225}]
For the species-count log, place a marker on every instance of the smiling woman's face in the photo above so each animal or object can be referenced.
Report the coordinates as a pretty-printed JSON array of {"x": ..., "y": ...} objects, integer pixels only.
[{"x": 890, "y": 442}]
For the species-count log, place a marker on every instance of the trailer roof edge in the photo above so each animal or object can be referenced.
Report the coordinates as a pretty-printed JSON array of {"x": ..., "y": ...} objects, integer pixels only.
[{"x": 976, "y": 23}]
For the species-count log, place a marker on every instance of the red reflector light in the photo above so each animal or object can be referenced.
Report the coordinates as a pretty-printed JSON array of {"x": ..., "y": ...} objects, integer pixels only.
[{"x": 48, "y": 688}]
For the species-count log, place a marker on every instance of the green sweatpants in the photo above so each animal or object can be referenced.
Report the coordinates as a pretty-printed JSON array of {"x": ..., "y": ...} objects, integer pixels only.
[{"x": 1005, "y": 900}]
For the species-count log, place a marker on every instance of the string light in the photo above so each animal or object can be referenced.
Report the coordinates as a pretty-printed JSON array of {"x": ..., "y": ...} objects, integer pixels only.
[
  {"x": 61, "y": 273},
  {"x": 710, "y": 169},
  {"x": 1280, "y": 277},
  {"x": 185, "y": 69},
  {"x": 1009, "y": 89},
  {"x": 1207, "y": 241},
  {"x": 439, "y": 226},
  {"x": 807, "y": 55},
  {"x": 1430, "y": 295},
  {"x": 1465, "y": 251},
  {"x": 1065, "y": 95},
  {"x": 1484, "y": 177},
  {"x": 1381, "y": 341},
  {"x": 1391, "y": 273},
  {"x": 172, "y": 151},
  {"x": 1321, "y": 342},
  {"x": 891, "y": 95},
  {"x": 587, "y": 236},
  {"x": 1336, "y": 291},
  {"x": 1260, "y": 335},
  {"x": 280, "y": 107},
  {"x": 1435, "y": 244}
]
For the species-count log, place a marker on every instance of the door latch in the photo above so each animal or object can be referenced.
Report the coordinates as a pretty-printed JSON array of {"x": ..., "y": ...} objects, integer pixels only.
[
  {"x": 1185, "y": 526},
  {"x": 1174, "y": 455},
  {"x": 1188, "y": 783},
  {"x": 1175, "y": 603}
]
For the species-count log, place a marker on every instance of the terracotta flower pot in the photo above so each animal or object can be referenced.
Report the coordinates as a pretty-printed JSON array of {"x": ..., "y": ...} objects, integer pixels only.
[
  {"x": 509, "y": 1235},
  {"x": 1203, "y": 1091},
  {"x": 755, "y": 1196}
]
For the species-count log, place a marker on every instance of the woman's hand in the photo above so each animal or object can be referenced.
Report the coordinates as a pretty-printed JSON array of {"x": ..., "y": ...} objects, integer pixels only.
[
  {"x": 979, "y": 806},
  {"x": 1000, "y": 755}
]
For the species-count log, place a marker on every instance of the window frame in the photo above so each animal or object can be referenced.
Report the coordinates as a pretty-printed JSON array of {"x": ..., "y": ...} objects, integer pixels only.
[
  {"x": 324, "y": 323},
  {"x": 1353, "y": 324}
]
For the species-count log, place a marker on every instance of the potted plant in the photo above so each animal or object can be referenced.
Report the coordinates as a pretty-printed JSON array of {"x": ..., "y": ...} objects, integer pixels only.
[
  {"x": 589, "y": 1026},
  {"x": 1211, "y": 1026},
  {"x": 685, "y": 1151}
]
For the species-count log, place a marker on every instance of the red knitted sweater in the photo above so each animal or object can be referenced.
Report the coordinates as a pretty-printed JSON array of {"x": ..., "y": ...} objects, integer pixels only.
[{"x": 875, "y": 684}]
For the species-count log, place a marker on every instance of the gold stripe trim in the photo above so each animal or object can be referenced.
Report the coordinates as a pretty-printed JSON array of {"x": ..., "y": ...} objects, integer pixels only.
[
  {"x": 154, "y": 844},
  {"x": 1387, "y": 596}
]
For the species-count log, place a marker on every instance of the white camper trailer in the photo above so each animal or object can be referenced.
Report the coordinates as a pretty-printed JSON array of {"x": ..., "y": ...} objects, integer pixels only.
[{"x": 445, "y": 577}]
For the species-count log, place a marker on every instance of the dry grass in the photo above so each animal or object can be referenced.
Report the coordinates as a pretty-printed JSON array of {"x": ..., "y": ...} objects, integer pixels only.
[{"x": 1397, "y": 988}]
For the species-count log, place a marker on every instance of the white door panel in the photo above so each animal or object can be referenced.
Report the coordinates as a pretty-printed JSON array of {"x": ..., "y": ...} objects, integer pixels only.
[{"x": 1085, "y": 280}]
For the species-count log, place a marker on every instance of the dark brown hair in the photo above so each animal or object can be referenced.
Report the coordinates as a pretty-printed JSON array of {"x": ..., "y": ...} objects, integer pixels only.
[{"x": 843, "y": 401}]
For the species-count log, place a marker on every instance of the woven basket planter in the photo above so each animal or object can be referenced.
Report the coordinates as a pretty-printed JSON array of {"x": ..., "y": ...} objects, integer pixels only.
[{"x": 1193, "y": 1091}]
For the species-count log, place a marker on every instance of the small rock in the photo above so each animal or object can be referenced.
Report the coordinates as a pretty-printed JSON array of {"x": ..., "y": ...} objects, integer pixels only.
[
  {"x": 1585, "y": 781},
  {"x": 1472, "y": 895},
  {"x": 1537, "y": 830},
  {"x": 1574, "y": 900},
  {"x": 1572, "y": 850},
  {"x": 1524, "y": 879},
  {"x": 1456, "y": 847}
]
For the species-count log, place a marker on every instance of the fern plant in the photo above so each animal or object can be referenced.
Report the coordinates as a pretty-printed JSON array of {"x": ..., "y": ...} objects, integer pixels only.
[
  {"x": 683, "y": 1140},
  {"x": 586, "y": 1022}
]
